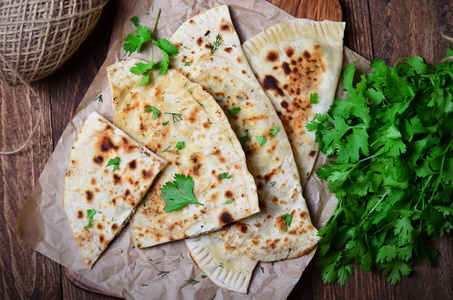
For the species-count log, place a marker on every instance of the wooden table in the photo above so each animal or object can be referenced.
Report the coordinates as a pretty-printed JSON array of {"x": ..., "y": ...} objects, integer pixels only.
[{"x": 375, "y": 29}]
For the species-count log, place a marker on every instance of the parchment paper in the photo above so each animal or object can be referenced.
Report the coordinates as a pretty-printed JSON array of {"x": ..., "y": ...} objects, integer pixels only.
[{"x": 132, "y": 272}]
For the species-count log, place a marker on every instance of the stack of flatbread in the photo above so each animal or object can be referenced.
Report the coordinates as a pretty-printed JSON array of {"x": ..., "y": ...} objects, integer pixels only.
[{"x": 237, "y": 130}]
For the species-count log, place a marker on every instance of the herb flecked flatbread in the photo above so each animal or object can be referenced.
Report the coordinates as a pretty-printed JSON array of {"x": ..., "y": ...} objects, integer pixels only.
[
  {"x": 298, "y": 63},
  {"x": 224, "y": 72},
  {"x": 182, "y": 123},
  {"x": 108, "y": 176}
]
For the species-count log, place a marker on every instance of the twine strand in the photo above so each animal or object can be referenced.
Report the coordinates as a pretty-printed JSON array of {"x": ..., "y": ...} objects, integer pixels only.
[{"x": 38, "y": 121}]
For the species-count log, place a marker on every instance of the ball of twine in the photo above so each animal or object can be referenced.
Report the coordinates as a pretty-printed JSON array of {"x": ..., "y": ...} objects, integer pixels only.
[{"x": 38, "y": 36}]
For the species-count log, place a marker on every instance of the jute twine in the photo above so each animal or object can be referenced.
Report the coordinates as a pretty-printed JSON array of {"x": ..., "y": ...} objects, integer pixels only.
[{"x": 38, "y": 36}]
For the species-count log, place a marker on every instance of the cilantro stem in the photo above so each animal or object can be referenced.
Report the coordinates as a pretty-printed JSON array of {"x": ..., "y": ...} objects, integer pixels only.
[
  {"x": 155, "y": 25},
  {"x": 380, "y": 200}
]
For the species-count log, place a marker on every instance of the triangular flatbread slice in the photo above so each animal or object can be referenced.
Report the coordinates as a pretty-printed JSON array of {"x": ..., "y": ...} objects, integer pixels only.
[
  {"x": 108, "y": 176},
  {"x": 292, "y": 61},
  {"x": 182, "y": 123},
  {"x": 225, "y": 265}
]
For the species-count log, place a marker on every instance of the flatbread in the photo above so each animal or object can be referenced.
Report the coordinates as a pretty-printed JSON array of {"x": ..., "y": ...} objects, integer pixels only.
[
  {"x": 92, "y": 185},
  {"x": 264, "y": 236},
  {"x": 225, "y": 266},
  {"x": 291, "y": 61},
  {"x": 211, "y": 149},
  {"x": 228, "y": 77}
]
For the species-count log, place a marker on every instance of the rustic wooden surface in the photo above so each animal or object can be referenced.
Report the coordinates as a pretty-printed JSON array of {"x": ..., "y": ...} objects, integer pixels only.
[{"x": 375, "y": 29}]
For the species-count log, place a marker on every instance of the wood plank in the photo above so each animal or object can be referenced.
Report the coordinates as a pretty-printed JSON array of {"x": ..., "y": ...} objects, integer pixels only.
[
  {"x": 358, "y": 36},
  {"x": 318, "y": 10},
  {"x": 410, "y": 28},
  {"x": 25, "y": 274}
]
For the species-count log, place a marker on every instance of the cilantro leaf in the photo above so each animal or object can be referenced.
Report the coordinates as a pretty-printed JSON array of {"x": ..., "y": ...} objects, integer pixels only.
[
  {"x": 90, "y": 215},
  {"x": 134, "y": 42},
  {"x": 224, "y": 175},
  {"x": 287, "y": 218},
  {"x": 180, "y": 145},
  {"x": 274, "y": 130},
  {"x": 156, "y": 112},
  {"x": 135, "y": 21},
  {"x": 191, "y": 281},
  {"x": 235, "y": 110},
  {"x": 115, "y": 162},
  {"x": 244, "y": 138},
  {"x": 314, "y": 98},
  {"x": 261, "y": 140},
  {"x": 178, "y": 193}
]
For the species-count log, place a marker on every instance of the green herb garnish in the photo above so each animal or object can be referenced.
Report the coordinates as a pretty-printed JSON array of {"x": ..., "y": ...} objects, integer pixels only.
[
  {"x": 274, "y": 130},
  {"x": 235, "y": 110},
  {"x": 176, "y": 117},
  {"x": 156, "y": 112},
  {"x": 287, "y": 218},
  {"x": 191, "y": 281},
  {"x": 229, "y": 201},
  {"x": 261, "y": 140},
  {"x": 178, "y": 193},
  {"x": 179, "y": 146},
  {"x": 217, "y": 43},
  {"x": 224, "y": 175},
  {"x": 314, "y": 98},
  {"x": 90, "y": 215},
  {"x": 115, "y": 162}
]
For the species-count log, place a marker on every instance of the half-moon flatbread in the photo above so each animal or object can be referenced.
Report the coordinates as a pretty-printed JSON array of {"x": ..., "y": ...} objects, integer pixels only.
[
  {"x": 264, "y": 236},
  {"x": 225, "y": 266},
  {"x": 94, "y": 189},
  {"x": 190, "y": 115},
  {"x": 293, "y": 60}
]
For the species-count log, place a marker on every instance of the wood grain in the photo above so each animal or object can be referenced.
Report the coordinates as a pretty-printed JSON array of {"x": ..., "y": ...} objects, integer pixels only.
[
  {"x": 386, "y": 29},
  {"x": 318, "y": 10},
  {"x": 24, "y": 273}
]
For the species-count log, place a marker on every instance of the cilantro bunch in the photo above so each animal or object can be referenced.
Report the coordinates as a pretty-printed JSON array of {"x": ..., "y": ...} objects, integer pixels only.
[
  {"x": 134, "y": 42},
  {"x": 393, "y": 174}
]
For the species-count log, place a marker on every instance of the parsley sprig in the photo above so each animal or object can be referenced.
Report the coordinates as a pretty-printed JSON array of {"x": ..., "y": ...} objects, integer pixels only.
[
  {"x": 134, "y": 43},
  {"x": 214, "y": 46},
  {"x": 115, "y": 162},
  {"x": 393, "y": 175},
  {"x": 178, "y": 193}
]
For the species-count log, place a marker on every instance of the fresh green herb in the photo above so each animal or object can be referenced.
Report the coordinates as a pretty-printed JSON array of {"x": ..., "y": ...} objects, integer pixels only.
[
  {"x": 100, "y": 249},
  {"x": 287, "y": 218},
  {"x": 217, "y": 43},
  {"x": 176, "y": 117},
  {"x": 273, "y": 183},
  {"x": 243, "y": 139},
  {"x": 154, "y": 149},
  {"x": 135, "y": 21},
  {"x": 134, "y": 42},
  {"x": 150, "y": 259},
  {"x": 314, "y": 98},
  {"x": 274, "y": 130},
  {"x": 179, "y": 146},
  {"x": 133, "y": 247},
  {"x": 143, "y": 201},
  {"x": 262, "y": 269},
  {"x": 213, "y": 297},
  {"x": 393, "y": 174},
  {"x": 201, "y": 104},
  {"x": 310, "y": 71},
  {"x": 234, "y": 45},
  {"x": 168, "y": 150},
  {"x": 182, "y": 256},
  {"x": 156, "y": 112},
  {"x": 144, "y": 284},
  {"x": 115, "y": 162},
  {"x": 235, "y": 110},
  {"x": 134, "y": 266},
  {"x": 184, "y": 109},
  {"x": 318, "y": 65},
  {"x": 178, "y": 193},
  {"x": 249, "y": 225},
  {"x": 192, "y": 281},
  {"x": 221, "y": 265},
  {"x": 261, "y": 140},
  {"x": 157, "y": 262},
  {"x": 128, "y": 104},
  {"x": 143, "y": 134},
  {"x": 229, "y": 201},
  {"x": 204, "y": 276},
  {"x": 121, "y": 250},
  {"x": 164, "y": 252},
  {"x": 98, "y": 98},
  {"x": 224, "y": 175},
  {"x": 272, "y": 263},
  {"x": 187, "y": 64},
  {"x": 190, "y": 91},
  {"x": 209, "y": 121},
  {"x": 165, "y": 123},
  {"x": 163, "y": 273}
]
